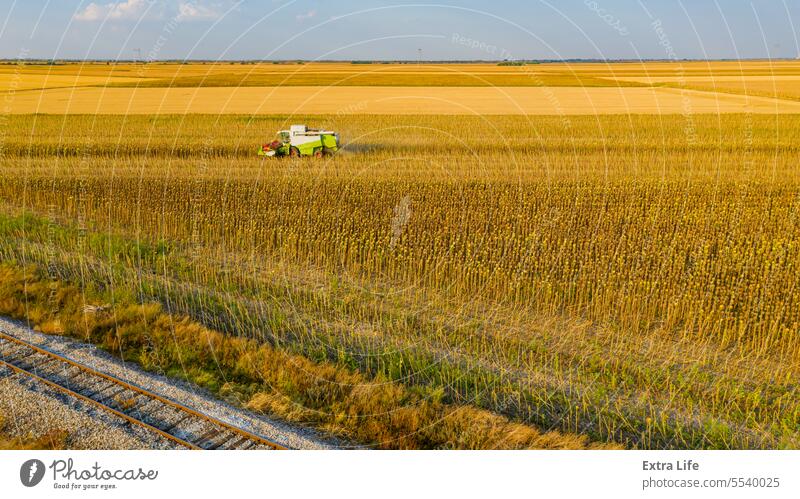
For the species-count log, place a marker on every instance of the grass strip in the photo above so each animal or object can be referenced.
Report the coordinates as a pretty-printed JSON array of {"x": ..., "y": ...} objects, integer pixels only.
[{"x": 374, "y": 412}]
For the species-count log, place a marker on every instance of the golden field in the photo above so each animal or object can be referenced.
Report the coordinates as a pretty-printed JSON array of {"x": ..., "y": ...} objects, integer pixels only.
[
  {"x": 566, "y": 280},
  {"x": 480, "y": 101},
  {"x": 336, "y": 88},
  {"x": 173, "y": 71}
]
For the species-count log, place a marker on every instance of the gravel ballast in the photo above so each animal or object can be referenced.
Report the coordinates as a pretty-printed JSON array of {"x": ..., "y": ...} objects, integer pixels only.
[
  {"x": 30, "y": 410},
  {"x": 27, "y": 395}
]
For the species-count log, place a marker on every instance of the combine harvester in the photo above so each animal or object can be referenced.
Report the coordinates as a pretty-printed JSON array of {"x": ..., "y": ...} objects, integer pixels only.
[{"x": 300, "y": 140}]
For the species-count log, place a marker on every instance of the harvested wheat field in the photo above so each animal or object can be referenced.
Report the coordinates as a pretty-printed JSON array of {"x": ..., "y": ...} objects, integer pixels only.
[
  {"x": 451, "y": 89},
  {"x": 393, "y": 100}
]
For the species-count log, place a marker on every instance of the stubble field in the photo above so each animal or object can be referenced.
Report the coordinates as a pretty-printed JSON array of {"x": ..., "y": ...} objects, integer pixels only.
[
  {"x": 461, "y": 89},
  {"x": 594, "y": 279}
]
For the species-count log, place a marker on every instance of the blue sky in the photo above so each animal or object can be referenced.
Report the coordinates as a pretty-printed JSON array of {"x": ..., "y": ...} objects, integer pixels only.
[{"x": 359, "y": 29}]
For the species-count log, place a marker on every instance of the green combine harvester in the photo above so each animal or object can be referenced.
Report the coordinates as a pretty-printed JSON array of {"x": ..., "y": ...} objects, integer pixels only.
[{"x": 300, "y": 140}]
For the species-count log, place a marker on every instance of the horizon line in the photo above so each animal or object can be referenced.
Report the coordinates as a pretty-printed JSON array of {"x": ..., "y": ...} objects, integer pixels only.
[{"x": 396, "y": 61}]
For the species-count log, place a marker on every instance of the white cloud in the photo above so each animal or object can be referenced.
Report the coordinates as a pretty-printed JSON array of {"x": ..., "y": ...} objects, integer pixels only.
[
  {"x": 193, "y": 10},
  {"x": 135, "y": 9},
  {"x": 307, "y": 15},
  {"x": 129, "y": 9}
]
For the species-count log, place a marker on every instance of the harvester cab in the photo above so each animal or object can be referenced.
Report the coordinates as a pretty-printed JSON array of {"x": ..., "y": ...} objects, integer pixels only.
[{"x": 300, "y": 140}]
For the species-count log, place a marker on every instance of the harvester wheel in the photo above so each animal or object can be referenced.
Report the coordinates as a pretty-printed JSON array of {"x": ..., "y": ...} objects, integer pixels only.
[
  {"x": 318, "y": 153},
  {"x": 294, "y": 152}
]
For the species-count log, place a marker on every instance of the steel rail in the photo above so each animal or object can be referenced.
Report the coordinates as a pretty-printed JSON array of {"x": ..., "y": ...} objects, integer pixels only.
[
  {"x": 134, "y": 388},
  {"x": 84, "y": 398}
]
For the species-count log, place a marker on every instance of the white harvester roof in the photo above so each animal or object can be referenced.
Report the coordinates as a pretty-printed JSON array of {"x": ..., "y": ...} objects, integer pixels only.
[{"x": 304, "y": 130}]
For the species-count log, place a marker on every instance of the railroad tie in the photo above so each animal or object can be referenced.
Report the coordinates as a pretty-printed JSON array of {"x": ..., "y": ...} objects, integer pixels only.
[
  {"x": 206, "y": 436},
  {"x": 94, "y": 392},
  {"x": 239, "y": 442},
  {"x": 18, "y": 357},
  {"x": 178, "y": 422},
  {"x": 120, "y": 390},
  {"x": 223, "y": 441}
]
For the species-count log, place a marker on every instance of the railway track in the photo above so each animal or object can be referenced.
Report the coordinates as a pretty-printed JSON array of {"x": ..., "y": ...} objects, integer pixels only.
[{"x": 171, "y": 420}]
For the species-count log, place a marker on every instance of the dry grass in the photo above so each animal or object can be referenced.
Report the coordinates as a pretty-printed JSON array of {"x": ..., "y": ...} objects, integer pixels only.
[
  {"x": 51, "y": 440},
  {"x": 375, "y": 412}
]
